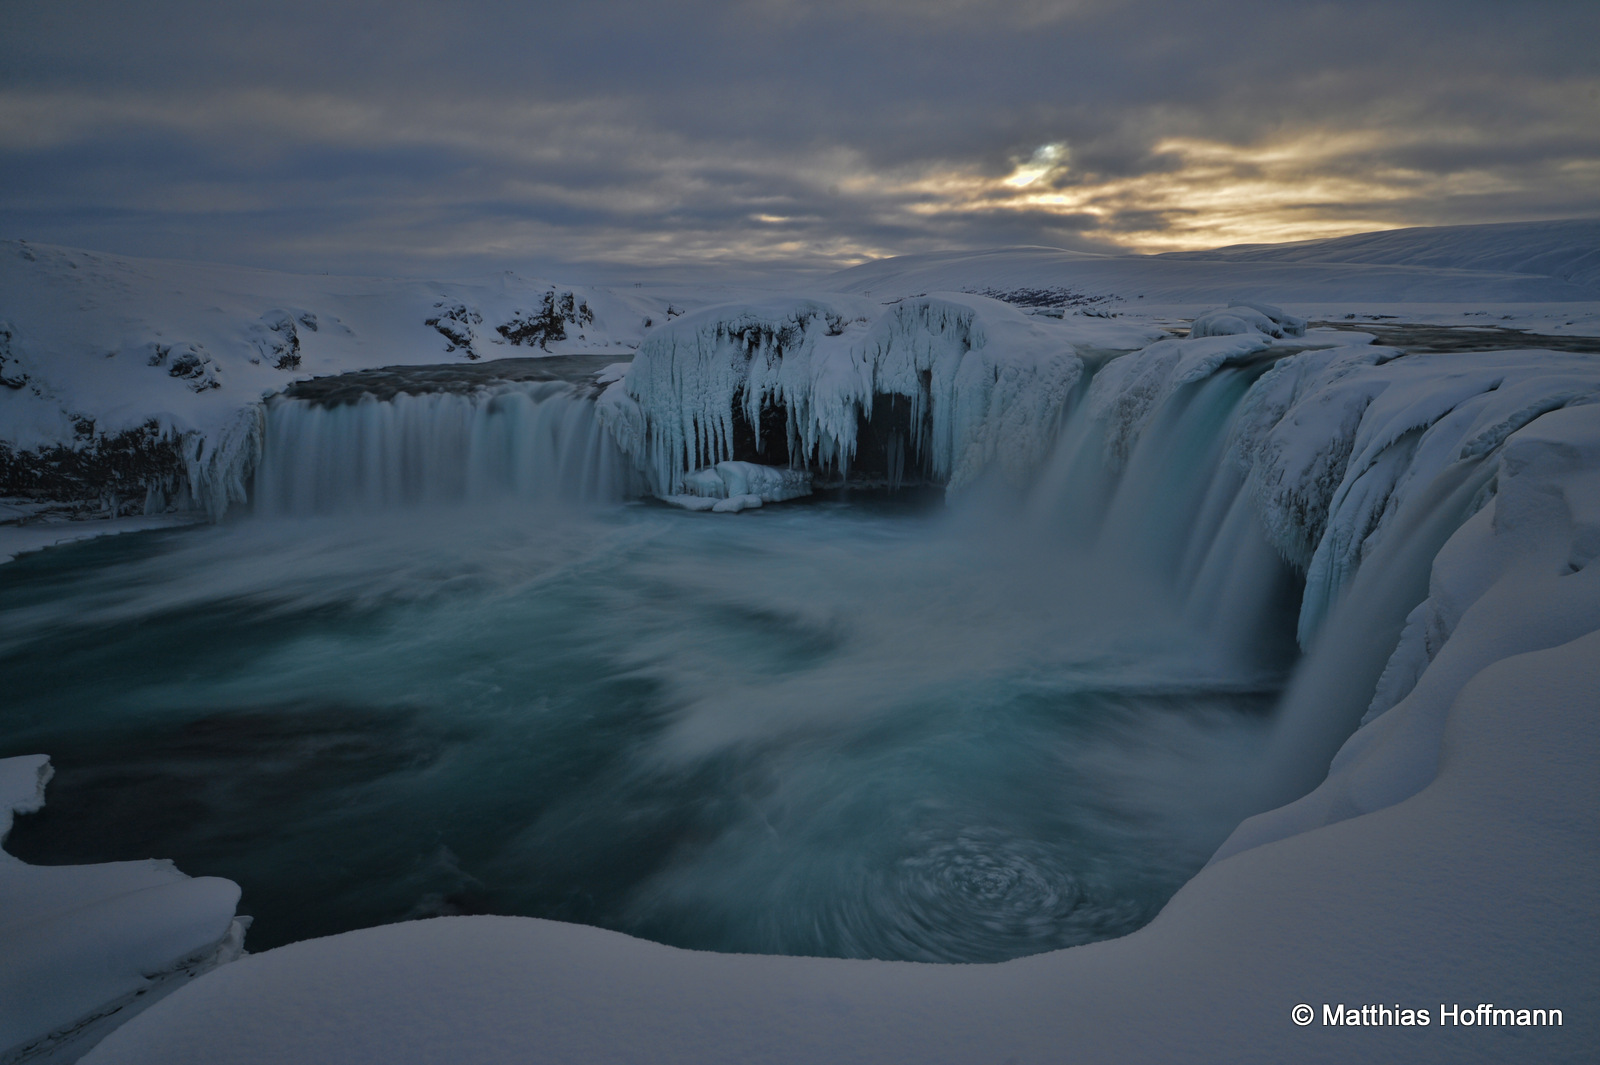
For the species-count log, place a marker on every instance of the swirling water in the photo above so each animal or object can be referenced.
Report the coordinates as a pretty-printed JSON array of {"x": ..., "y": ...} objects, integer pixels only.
[
  {"x": 856, "y": 726},
  {"x": 825, "y": 729}
]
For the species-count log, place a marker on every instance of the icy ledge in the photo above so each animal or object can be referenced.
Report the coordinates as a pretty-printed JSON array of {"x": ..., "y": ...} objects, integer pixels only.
[{"x": 86, "y": 946}]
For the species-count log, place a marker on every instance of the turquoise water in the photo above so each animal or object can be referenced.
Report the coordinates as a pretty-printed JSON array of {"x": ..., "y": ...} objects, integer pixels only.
[{"x": 861, "y": 727}]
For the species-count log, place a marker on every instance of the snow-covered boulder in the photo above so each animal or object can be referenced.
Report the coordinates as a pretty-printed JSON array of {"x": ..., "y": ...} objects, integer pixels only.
[
  {"x": 1248, "y": 317},
  {"x": 728, "y": 479},
  {"x": 729, "y": 487}
]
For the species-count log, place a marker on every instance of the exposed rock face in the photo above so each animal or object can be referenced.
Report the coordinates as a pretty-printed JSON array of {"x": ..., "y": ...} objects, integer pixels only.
[
  {"x": 550, "y": 322},
  {"x": 278, "y": 340},
  {"x": 191, "y": 363},
  {"x": 11, "y": 374},
  {"x": 457, "y": 323},
  {"x": 133, "y": 472}
]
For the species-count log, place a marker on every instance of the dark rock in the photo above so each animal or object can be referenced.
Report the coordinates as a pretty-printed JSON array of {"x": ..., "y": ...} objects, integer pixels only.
[
  {"x": 550, "y": 322},
  {"x": 113, "y": 474},
  {"x": 455, "y": 323}
]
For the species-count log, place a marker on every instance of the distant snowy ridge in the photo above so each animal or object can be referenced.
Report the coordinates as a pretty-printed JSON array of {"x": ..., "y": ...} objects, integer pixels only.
[
  {"x": 1568, "y": 250},
  {"x": 1513, "y": 263}
]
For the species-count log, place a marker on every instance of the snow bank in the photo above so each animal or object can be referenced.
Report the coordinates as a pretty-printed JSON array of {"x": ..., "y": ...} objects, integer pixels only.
[
  {"x": 84, "y": 946},
  {"x": 983, "y": 385}
]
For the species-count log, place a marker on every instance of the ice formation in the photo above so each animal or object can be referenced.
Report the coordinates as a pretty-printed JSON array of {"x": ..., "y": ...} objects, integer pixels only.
[
  {"x": 982, "y": 384},
  {"x": 85, "y": 946},
  {"x": 729, "y": 487},
  {"x": 1337, "y": 440},
  {"x": 1243, "y": 317}
]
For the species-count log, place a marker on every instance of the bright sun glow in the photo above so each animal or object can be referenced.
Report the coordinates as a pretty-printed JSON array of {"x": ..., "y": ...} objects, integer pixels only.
[{"x": 1217, "y": 194}]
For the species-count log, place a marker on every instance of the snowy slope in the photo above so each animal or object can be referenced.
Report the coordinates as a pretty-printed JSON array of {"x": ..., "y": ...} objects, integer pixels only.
[
  {"x": 122, "y": 341},
  {"x": 1568, "y": 250}
]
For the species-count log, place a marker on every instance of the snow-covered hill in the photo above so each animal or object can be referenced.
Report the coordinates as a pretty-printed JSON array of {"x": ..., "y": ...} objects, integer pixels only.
[
  {"x": 1568, "y": 250},
  {"x": 121, "y": 340},
  {"x": 1525, "y": 263}
]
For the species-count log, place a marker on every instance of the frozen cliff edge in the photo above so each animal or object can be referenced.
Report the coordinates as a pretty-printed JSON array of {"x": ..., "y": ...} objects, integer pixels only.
[
  {"x": 1516, "y": 579},
  {"x": 86, "y": 946}
]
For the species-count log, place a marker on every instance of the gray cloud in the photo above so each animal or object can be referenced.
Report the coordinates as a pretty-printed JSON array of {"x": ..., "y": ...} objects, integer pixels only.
[{"x": 415, "y": 137}]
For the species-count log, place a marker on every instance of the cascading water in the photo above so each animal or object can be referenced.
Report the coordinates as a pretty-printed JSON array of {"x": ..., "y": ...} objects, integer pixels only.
[
  {"x": 1177, "y": 514},
  {"x": 527, "y": 441}
]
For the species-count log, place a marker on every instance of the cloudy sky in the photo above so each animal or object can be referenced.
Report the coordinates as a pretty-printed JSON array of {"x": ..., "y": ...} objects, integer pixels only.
[{"x": 584, "y": 138}]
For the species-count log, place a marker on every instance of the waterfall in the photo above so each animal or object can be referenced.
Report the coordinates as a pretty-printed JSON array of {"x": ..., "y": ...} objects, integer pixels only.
[
  {"x": 524, "y": 441},
  {"x": 1242, "y": 486},
  {"x": 1334, "y": 683},
  {"x": 1177, "y": 512}
]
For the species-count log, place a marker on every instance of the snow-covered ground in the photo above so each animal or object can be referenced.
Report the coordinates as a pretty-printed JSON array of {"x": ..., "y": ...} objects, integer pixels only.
[
  {"x": 1447, "y": 861},
  {"x": 85, "y": 947}
]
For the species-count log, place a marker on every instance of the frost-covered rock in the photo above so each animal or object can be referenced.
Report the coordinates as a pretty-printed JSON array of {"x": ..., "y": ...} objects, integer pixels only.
[
  {"x": 83, "y": 947},
  {"x": 962, "y": 382},
  {"x": 1248, "y": 317}
]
